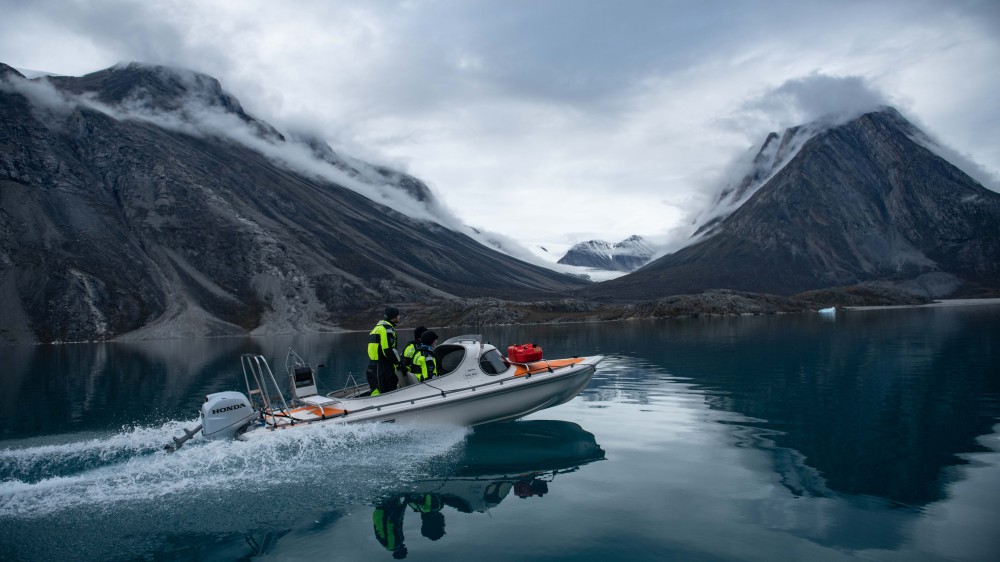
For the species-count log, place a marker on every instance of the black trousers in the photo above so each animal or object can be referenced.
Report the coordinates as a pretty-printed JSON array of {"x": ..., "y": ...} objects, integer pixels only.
[{"x": 382, "y": 376}]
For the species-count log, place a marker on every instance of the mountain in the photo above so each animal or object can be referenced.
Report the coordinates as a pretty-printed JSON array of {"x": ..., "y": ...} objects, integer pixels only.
[
  {"x": 864, "y": 201},
  {"x": 144, "y": 200},
  {"x": 627, "y": 255}
]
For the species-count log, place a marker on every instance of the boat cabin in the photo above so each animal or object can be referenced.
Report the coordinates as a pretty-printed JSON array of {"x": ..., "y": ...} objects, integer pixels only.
[{"x": 451, "y": 354}]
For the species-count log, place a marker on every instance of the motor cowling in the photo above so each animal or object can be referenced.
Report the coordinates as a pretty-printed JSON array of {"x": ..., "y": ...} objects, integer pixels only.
[{"x": 224, "y": 414}]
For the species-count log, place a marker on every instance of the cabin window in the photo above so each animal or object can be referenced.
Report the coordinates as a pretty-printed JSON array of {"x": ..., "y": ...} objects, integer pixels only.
[
  {"x": 492, "y": 363},
  {"x": 449, "y": 358}
]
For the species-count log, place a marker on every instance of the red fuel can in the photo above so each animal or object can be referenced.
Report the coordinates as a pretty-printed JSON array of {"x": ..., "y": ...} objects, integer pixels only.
[{"x": 524, "y": 353}]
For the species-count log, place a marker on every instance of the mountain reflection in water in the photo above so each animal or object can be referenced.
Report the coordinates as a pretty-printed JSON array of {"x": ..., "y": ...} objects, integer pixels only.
[
  {"x": 870, "y": 435},
  {"x": 879, "y": 406}
]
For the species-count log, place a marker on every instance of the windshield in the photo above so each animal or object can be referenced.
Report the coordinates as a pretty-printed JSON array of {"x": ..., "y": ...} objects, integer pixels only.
[{"x": 492, "y": 363}]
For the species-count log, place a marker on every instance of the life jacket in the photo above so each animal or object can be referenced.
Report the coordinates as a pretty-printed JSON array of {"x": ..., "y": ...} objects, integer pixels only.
[
  {"x": 429, "y": 503},
  {"x": 409, "y": 352},
  {"x": 382, "y": 342},
  {"x": 424, "y": 364},
  {"x": 389, "y": 526}
]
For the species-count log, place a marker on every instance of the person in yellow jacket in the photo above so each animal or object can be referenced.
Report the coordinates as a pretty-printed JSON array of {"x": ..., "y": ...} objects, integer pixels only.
[
  {"x": 388, "y": 521},
  {"x": 410, "y": 351},
  {"x": 424, "y": 363},
  {"x": 382, "y": 354},
  {"x": 429, "y": 507}
]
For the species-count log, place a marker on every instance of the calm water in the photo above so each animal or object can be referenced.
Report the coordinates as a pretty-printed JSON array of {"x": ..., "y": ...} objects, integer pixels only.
[{"x": 873, "y": 436}]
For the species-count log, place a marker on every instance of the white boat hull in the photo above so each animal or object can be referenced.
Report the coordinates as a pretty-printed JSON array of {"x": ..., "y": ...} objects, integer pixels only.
[
  {"x": 512, "y": 399},
  {"x": 454, "y": 400}
]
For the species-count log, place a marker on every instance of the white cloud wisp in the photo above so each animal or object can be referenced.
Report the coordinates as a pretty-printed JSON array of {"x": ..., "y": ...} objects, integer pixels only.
[{"x": 558, "y": 122}]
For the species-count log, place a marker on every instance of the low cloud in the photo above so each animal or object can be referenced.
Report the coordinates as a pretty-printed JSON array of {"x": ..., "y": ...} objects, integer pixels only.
[
  {"x": 811, "y": 104},
  {"x": 610, "y": 117},
  {"x": 193, "y": 116},
  {"x": 45, "y": 98},
  {"x": 819, "y": 101},
  {"x": 817, "y": 98},
  {"x": 963, "y": 162}
]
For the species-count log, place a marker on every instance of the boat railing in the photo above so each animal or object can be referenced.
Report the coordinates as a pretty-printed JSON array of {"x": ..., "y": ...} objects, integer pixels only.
[
  {"x": 351, "y": 388},
  {"x": 264, "y": 390},
  {"x": 293, "y": 360}
]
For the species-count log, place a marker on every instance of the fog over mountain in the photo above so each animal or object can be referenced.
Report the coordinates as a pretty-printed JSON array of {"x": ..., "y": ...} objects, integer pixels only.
[
  {"x": 143, "y": 199},
  {"x": 621, "y": 115},
  {"x": 837, "y": 203}
]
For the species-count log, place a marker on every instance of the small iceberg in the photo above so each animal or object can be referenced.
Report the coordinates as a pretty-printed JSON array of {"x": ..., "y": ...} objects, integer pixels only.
[{"x": 832, "y": 310}]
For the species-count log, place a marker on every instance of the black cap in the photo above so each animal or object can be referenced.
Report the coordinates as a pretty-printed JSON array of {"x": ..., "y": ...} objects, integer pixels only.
[
  {"x": 418, "y": 332},
  {"x": 391, "y": 312},
  {"x": 428, "y": 338}
]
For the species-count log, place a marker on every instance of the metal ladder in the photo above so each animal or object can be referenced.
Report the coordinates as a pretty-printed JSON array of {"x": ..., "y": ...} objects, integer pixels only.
[{"x": 265, "y": 387}]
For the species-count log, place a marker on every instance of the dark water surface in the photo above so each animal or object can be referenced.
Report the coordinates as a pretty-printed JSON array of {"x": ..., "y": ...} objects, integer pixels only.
[{"x": 875, "y": 436}]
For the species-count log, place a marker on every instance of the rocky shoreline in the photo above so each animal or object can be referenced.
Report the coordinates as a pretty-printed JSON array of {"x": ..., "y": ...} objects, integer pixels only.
[
  {"x": 715, "y": 302},
  {"x": 479, "y": 312}
]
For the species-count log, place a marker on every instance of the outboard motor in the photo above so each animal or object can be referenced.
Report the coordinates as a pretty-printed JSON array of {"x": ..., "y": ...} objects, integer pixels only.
[{"x": 224, "y": 414}]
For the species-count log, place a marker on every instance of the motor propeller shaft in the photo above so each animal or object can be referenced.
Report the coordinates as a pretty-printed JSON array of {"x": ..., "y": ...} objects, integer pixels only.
[{"x": 180, "y": 441}]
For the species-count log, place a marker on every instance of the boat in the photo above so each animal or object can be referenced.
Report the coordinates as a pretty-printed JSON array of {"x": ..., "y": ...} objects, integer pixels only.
[{"x": 476, "y": 385}]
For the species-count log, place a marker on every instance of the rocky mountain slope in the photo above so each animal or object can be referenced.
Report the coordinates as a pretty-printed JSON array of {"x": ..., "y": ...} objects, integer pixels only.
[
  {"x": 865, "y": 201},
  {"x": 145, "y": 200},
  {"x": 628, "y": 255}
]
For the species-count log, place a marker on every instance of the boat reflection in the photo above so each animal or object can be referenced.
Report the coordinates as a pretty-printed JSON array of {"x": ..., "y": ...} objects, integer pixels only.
[
  {"x": 464, "y": 495},
  {"x": 520, "y": 458},
  {"x": 498, "y": 461}
]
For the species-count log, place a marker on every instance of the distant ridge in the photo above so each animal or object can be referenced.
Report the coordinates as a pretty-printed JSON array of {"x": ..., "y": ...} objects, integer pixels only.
[{"x": 627, "y": 255}]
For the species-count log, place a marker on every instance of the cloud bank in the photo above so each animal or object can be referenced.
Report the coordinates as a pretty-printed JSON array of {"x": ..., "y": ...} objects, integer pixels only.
[
  {"x": 610, "y": 119},
  {"x": 818, "y": 99},
  {"x": 196, "y": 114}
]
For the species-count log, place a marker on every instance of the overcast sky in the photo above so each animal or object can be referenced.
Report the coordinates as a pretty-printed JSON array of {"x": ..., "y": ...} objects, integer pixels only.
[{"x": 553, "y": 122}]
